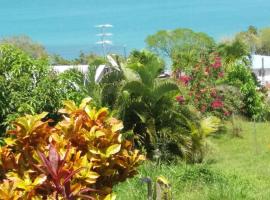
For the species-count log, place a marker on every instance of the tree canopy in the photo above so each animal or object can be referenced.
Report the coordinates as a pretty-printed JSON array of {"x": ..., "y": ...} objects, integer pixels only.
[
  {"x": 26, "y": 44},
  {"x": 182, "y": 45},
  {"x": 167, "y": 42}
]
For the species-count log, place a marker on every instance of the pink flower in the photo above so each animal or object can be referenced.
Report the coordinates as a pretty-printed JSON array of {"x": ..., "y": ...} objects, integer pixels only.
[
  {"x": 220, "y": 74},
  {"x": 217, "y": 63},
  {"x": 217, "y": 104},
  {"x": 184, "y": 79},
  {"x": 227, "y": 113},
  {"x": 180, "y": 99}
]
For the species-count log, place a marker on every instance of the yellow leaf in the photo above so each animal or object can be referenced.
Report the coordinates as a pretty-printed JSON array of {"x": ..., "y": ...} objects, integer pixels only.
[
  {"x": 113, "y": 149},
  {"x": 117, "y": 127},
  {"x": 110, "y": 197},
  {"x": 103, "y": 112},
  {"x": 70, "y": 106},
  {"x": 90, "y": 112},
  {"x": 99, "y": 134},
  {"x": 95, "y": 151},
  {"x": 119, "y": 138},
  {"x": 93, "y": 175},
  {"x": 210, "y": 125},
  {"x": 39, "y": 180},
  {"x": 40, "y": 116},
  {"x": 163, "y": 180},
  {"x": 10, "y": 141},
  {"x": 85, "y": 102}
]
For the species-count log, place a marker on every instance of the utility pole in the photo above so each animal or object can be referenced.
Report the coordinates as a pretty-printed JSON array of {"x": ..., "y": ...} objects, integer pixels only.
[
  {"x": 103, "y": 40},
  {"x": 263, "y": 73}
]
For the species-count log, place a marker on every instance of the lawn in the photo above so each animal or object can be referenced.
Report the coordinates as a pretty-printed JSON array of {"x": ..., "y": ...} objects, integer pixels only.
[{"x": 234, "y": 168}]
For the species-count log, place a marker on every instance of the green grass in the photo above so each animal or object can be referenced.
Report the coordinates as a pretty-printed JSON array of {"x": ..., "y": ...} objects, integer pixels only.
[{"x": 235, "y": 168}]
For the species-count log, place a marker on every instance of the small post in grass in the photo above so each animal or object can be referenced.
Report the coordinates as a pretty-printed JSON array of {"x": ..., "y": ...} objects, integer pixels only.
[
  {"x": 255, "y": 135},
  {"x": 148, "y": 181}
]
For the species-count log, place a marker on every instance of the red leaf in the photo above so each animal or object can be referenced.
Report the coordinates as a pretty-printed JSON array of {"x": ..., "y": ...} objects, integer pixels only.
[
  {"x": 47, "y": 164},
  {"x": 72, "y": 174},
  {"x": 54, "y": 158}
]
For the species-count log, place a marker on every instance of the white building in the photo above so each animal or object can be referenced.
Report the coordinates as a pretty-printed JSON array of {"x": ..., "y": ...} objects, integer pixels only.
[
  {"x": 62, "y": 68},
  {"x": 261, "y": 68}
]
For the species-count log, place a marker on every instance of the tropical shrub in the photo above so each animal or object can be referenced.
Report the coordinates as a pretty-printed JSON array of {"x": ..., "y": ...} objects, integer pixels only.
[
  {"x": 72, "y": 84},
  {"x": 27, "y": 85},
  {"x": 241, "y": 76},
  {"x": 201, "y": 87},
  {"x": 152, "y": 118},
  {"x": 82, "y": 157}
]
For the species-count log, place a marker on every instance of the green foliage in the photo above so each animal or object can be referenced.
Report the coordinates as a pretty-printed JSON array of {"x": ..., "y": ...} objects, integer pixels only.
[
  {"x": 168, "y": 42},
  {"x": 257, "y": 41},
  {"x": 233, "y": 98},
  {"x": 234, "y": 51},
  {"x": 145, "y": 57},
  {"x": 183, "y": 46},
  {"x": 27, "y": 85},
  {"x": 26, "y": 44},
  {"x": 241, "y": 77},
  {"x": 250, "y": 38},
  {"x": 72, "y": 84},
  {"x": 81, "y": 157},
  {"x": 234, "y": 169},
  {"x": 83, "y": 59},
  {"x": 264, "y": 47},
  {"x": 147, "y": 107},
  {"x": 190, "y": 182}
]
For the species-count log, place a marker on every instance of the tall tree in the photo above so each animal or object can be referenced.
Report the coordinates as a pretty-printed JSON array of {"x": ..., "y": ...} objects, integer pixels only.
[
  {"x": 234, "y": 51},
  {"x": 180, "y": 43},
  {"x": 264, "y": 42}
]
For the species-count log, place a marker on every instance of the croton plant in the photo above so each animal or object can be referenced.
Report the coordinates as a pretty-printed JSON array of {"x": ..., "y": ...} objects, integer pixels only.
[{"x": 81, "y": 157}]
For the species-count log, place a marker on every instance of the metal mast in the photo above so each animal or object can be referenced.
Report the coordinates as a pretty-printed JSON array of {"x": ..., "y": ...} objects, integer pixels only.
[{"x": 103, "y": 34}]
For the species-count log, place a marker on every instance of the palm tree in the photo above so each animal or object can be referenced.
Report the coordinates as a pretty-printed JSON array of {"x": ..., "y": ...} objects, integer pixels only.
[{"x": 144, "y": 97}]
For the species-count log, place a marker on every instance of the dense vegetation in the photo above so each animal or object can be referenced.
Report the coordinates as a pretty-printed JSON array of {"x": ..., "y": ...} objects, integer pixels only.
[
  {"x": 78, "y": 152},
  {"x": 236, "y": 168}
]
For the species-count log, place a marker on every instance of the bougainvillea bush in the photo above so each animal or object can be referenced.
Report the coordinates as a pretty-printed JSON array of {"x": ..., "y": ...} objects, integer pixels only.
[
  {"x": 201, "y": 84},
  {"x": 81, "y": 157}
]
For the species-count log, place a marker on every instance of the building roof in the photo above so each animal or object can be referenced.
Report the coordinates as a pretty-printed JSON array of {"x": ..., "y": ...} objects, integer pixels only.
[{"x": 62, "y": 68}]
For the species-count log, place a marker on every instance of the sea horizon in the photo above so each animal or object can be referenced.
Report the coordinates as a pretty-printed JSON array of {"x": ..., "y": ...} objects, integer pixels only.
[{"x": 67, "y": 27}]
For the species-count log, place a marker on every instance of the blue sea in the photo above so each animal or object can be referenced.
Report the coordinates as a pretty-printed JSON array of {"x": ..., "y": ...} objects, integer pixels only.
[{"x": 68, "y": 26}]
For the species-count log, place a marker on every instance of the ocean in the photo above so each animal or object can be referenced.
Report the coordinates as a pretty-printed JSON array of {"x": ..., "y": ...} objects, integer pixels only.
[{"x": 66, "y": 27}]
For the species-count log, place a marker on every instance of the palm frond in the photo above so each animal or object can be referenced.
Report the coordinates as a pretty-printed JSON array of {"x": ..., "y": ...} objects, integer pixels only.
[
  {"x": 210, "y": 125},
  {"x": 164, "y": 87},
  {"x": 136, "y": 88}
]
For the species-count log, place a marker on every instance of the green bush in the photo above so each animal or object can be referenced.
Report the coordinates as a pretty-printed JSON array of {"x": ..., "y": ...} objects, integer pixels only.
[
  {"x": 241, "y": 77},
  {"x": 27, "y": 85}
]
